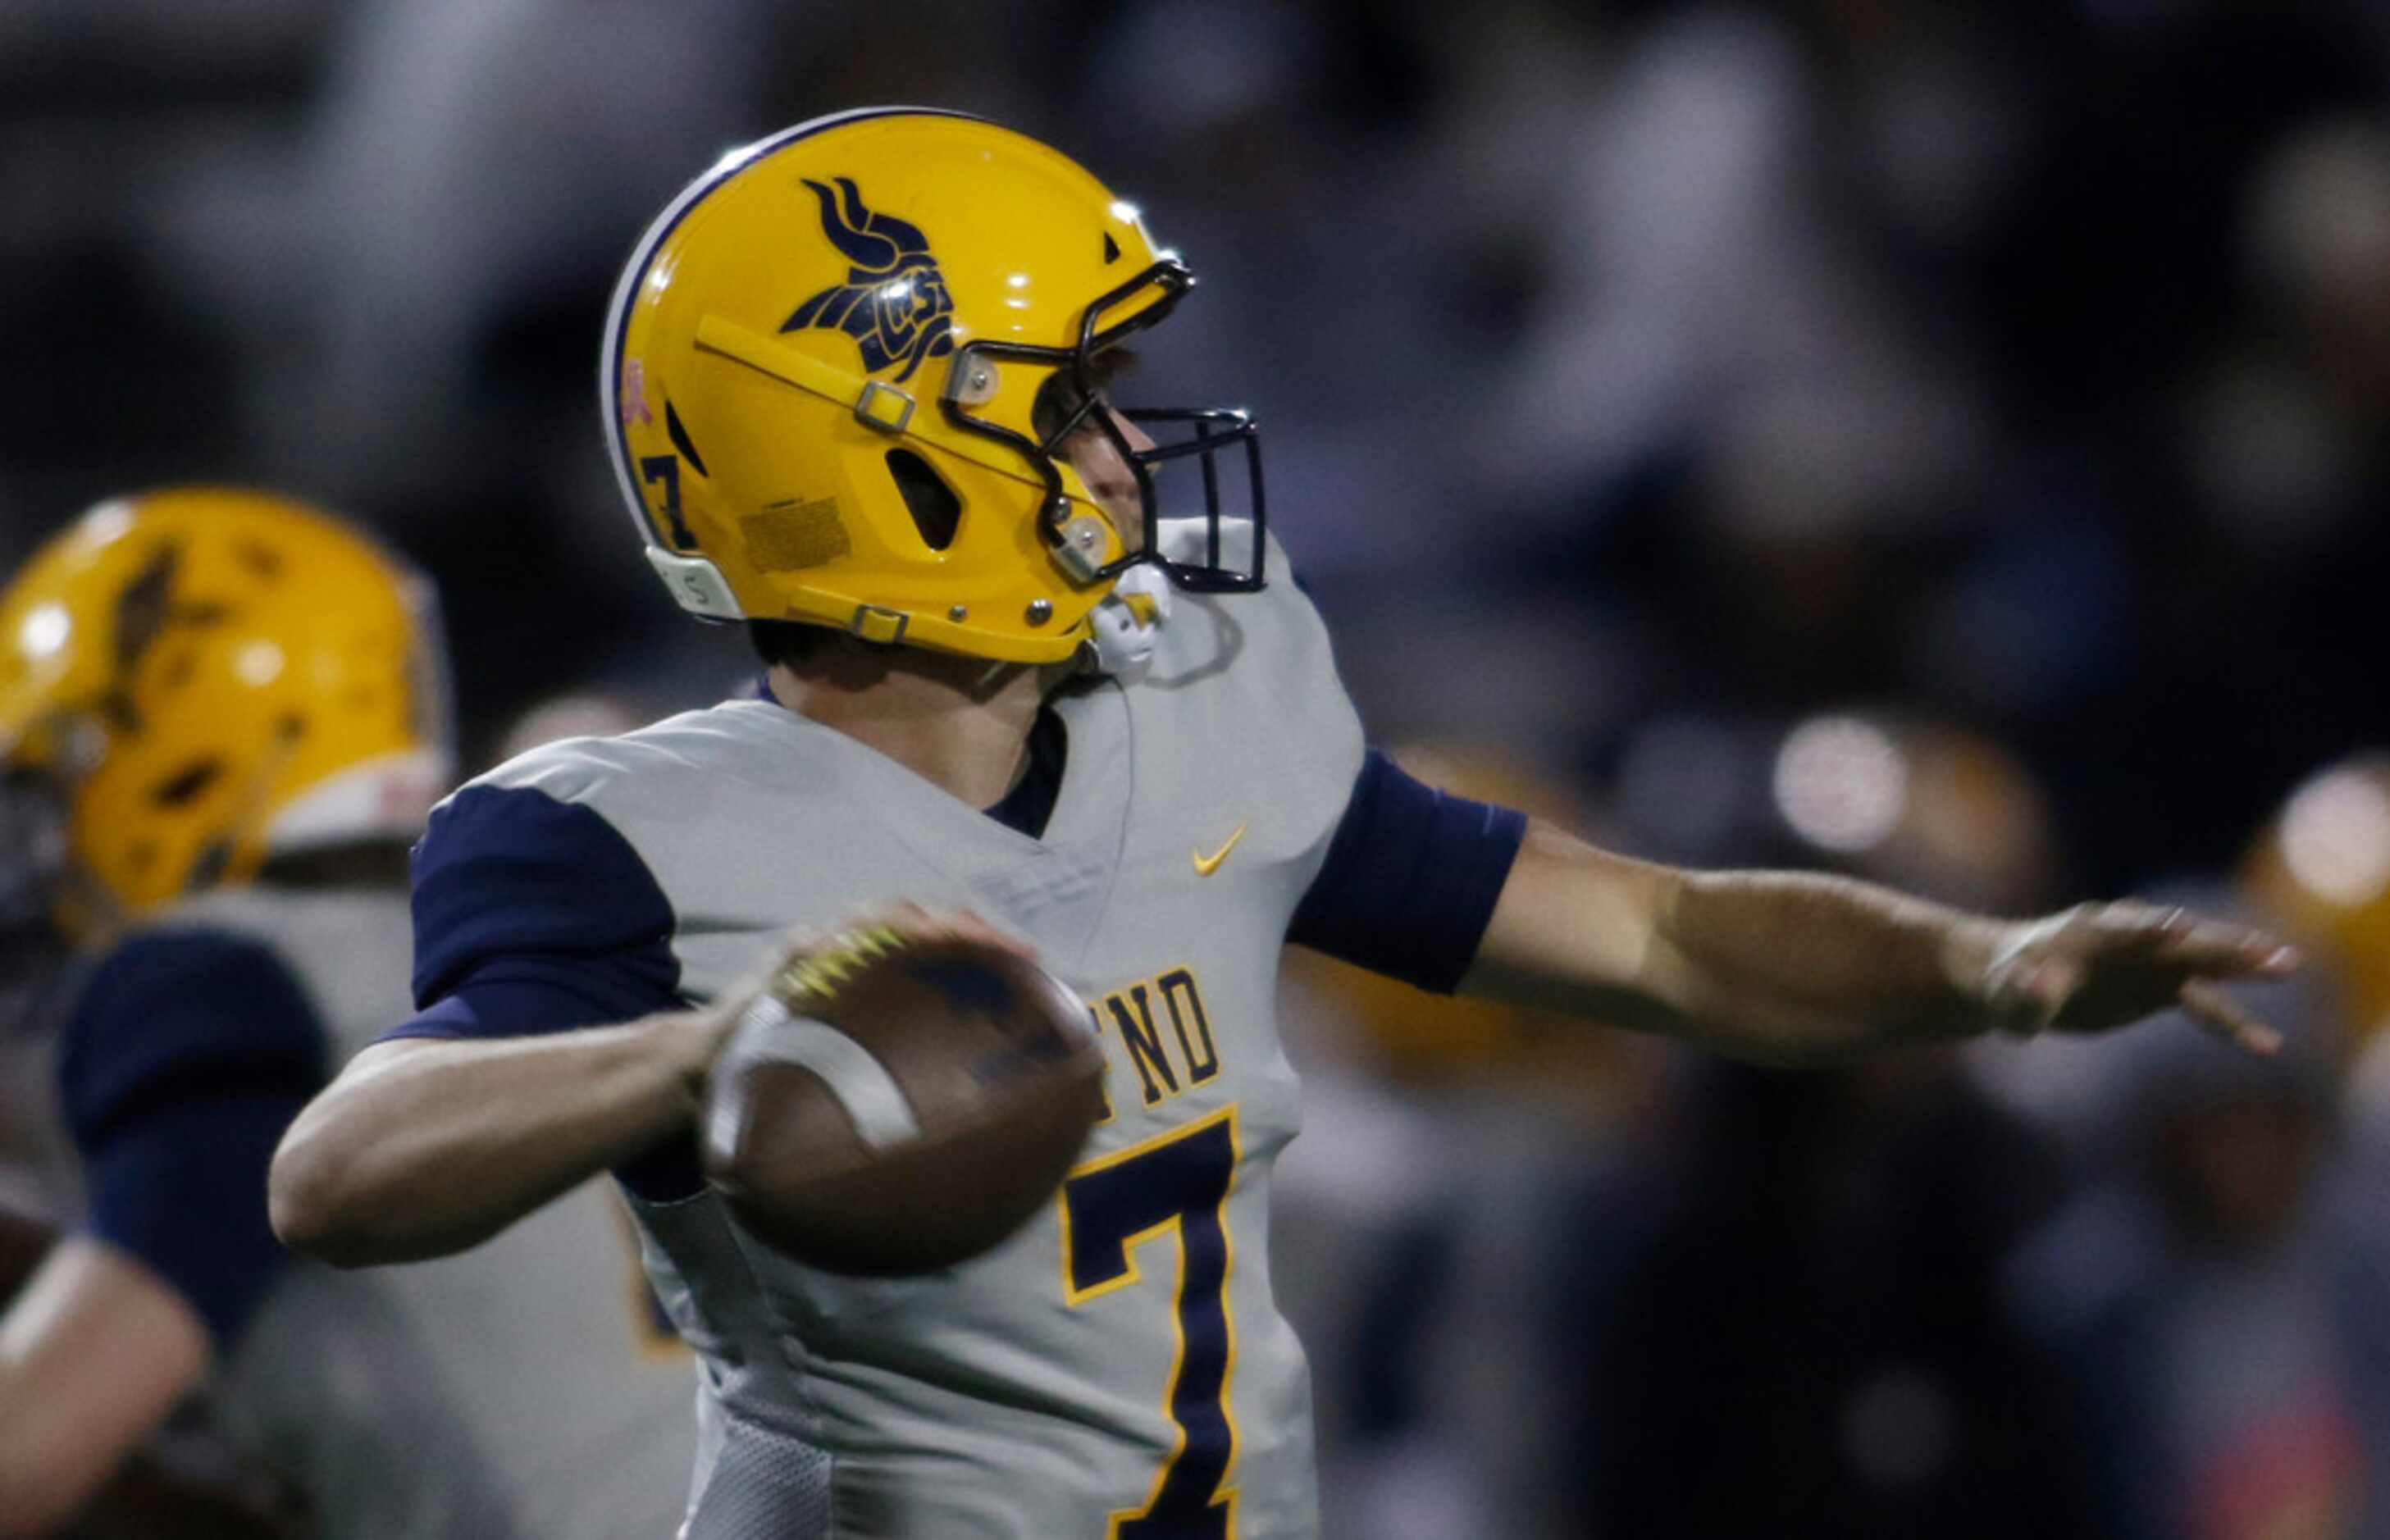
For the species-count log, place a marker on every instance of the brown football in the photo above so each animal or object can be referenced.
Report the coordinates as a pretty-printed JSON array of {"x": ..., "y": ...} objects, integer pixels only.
[{"x": 906, "y": 1108}]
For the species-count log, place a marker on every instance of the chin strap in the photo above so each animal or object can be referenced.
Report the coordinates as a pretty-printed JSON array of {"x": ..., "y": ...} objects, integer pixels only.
[{"x": 1129, "y": 620}]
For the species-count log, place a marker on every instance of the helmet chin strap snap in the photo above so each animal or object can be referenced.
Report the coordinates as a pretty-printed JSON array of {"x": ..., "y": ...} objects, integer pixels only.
[{"x": 1128, "y": 623}]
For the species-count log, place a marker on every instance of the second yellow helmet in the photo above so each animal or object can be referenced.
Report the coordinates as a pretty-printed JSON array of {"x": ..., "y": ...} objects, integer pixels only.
[{"x": 199, "y": 675}]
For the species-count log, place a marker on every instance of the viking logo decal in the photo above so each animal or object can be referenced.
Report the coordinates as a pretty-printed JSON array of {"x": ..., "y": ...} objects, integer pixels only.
[{"x": 895, "y": 303}]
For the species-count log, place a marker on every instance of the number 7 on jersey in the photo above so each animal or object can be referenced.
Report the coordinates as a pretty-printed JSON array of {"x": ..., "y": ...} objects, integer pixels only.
[{"x": 1177, "y": 1183}]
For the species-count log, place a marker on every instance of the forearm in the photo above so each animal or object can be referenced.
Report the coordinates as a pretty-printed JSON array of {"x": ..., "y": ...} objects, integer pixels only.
[
  {"x": 94, "y": 1355},
  {"x": 1771, "y": 966},
  {"x": 425, "y": 1147},
  {"x": 1788, "y": 966}
]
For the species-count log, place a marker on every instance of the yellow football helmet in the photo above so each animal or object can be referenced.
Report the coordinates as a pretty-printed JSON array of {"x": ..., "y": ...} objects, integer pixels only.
[
  {"x": 840, "y": 369},
  {"x": 191, "y": 678}
]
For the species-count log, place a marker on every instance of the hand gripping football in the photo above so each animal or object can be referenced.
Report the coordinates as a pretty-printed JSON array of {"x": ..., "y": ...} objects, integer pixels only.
[{"x": 890, "y": 1107}]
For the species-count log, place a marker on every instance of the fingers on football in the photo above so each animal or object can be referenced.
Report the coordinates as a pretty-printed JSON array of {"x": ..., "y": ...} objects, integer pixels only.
[
  {"x": 783, "y": 950},
  {"x": 2220, "y": 1013}
]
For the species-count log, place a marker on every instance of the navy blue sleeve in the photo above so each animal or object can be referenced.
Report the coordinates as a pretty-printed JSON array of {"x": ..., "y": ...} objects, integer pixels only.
[
  {"x": 531, "y": 916},
  {"x": 536, "y": 916},
  {"x": 1410, "y": 878},
  {"x": 186, "y": 1056}
]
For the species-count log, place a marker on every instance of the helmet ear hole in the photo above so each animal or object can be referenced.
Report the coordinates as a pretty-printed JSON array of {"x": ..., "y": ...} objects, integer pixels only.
[{"x": 936, "y": 509}]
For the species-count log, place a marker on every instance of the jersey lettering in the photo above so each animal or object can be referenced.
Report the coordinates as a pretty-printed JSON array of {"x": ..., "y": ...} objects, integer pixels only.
[{"x": 1161, "y": 1074}]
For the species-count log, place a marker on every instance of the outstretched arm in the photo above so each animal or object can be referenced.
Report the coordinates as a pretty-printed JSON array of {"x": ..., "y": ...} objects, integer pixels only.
[{"x": 1783, "y": 967}]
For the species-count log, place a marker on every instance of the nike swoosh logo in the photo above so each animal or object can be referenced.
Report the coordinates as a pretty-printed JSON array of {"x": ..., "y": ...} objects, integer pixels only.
[{"x": 1206, "y": 864}]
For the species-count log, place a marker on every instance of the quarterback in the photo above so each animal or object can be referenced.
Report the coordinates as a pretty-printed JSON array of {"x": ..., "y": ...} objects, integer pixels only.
[{"x": 855, "y": 380}]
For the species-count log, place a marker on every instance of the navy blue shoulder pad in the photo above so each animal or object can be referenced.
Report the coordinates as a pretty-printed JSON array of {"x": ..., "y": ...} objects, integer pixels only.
[
  {"x": 187, "y": 1054},
  {"x": 171, "y": 1012},
  {"x": 514, "y": 886}
]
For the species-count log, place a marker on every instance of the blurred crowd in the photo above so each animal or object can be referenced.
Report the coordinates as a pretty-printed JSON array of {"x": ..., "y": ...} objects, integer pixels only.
[
  {"x": 1583, "y": 1285},
  {"x": 1945, "y": 441}
]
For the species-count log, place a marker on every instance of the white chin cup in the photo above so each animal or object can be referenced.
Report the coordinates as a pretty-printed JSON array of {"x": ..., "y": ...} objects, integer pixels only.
[{"x": 1130, "y": 620}]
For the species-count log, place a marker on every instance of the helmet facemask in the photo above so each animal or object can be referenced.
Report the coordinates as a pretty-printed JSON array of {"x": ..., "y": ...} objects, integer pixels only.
[{"x": 1217, "y": 550}]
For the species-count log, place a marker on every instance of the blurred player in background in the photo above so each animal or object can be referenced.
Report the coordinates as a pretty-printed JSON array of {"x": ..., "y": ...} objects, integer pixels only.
[
  {"x": 855, "y": 385},
  {"x": 223, "y": 716},
  {"x": 2215, "y": 1297}
]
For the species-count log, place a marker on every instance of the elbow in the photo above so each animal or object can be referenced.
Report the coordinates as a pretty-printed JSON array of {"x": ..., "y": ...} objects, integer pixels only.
[
  {"x": 299, "y": 1203},
  {"x": 341, "y": 1205},
  {"x": 308, "y": 1202}
]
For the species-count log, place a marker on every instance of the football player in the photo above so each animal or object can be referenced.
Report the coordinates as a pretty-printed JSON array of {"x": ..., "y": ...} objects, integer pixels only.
[
  {"x": 855, "y": 383},
  {"x": 222, "y": 717}
]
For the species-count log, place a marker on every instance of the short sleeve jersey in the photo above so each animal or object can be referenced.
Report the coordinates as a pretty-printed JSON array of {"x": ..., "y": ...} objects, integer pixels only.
[
  {"x": 1119, "y": 1360},
  {"x": 527, "y": 1387}
]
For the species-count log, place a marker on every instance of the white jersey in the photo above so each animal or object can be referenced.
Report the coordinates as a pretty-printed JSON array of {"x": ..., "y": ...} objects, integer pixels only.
[
  {"x": 530, "y": 1373},
  {"x": 1119, "y": 1367}
]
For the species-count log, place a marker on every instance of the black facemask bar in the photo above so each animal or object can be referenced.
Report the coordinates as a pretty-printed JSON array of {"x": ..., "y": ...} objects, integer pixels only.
[{"x": 1213, "y": 431}]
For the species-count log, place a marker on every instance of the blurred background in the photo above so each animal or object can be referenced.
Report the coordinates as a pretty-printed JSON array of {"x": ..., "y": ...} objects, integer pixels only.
[{"x": 1942, "y": 441}]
